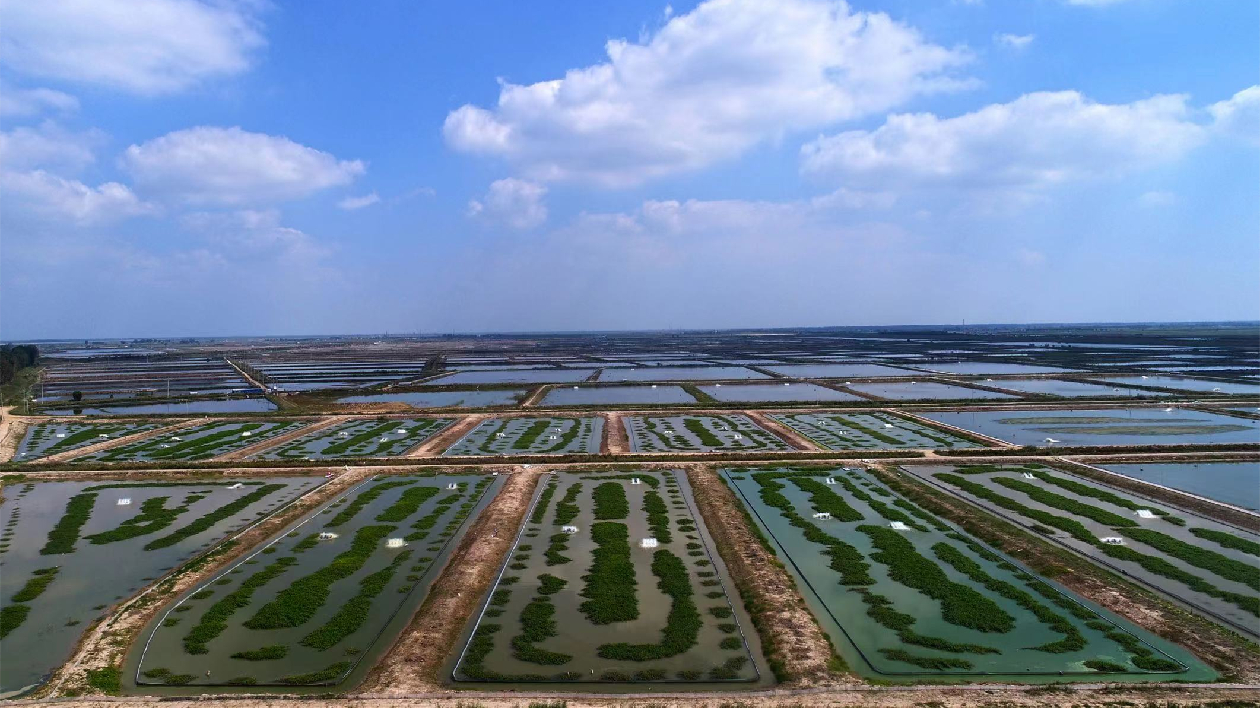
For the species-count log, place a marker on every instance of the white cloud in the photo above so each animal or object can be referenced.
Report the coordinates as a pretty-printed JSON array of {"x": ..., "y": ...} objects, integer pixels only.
[
  {"x": 20, "y": 102},
  {"x": 57, "y": 198},
  {"x": 141, "y": 46},
  {"x": 229, "y": 166},
  {"x": 1037, "y": 140},
  {"x": 1158, "y": 198},
  {"x": 257, "y": 233},
  {"x": 706, "y": 87},
  {"x": 352, "y": 203},
  {"x": 48, "y": 145},
  {"x": 512, "y": 201},
  {"x": 1239, "y": 116},
  {"x": 1014, "y": 41}
]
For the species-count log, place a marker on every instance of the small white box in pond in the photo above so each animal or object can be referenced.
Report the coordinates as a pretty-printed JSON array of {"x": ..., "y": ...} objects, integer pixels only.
[
  {"x": 1029, "y": 475},
  {"x": 176, "y": 438},
  {"x": 823, "y": 515},
  {"x": 124, "y": 501},
  {"x": 394, "y": 543},
  {"x": 653, "y": 385},
  {"x": 635, "y": 480},
  {"x": 343, "y": 434},
  {"x": 787, "y": 384},
  {"x": 888, "y": 425},
  {"x": 831, "y": 480},
  {"x": 327, "y": 535},
  {"x": 498, "y": 435},
  {"x": 738, "y": 436},
  {"x": 1112, "y": 540},
  {"x": 384, "y": 440},
  {"x": 1145, "y": 514},
  {"x": 61, "y": 435},
  {"x": 898, "y": 526},
  {"x": 452, "y": 485},
  {"x": 246, "y": 434},
  {"x": 553, "y": 437},
  {"x": 648, "y": 543},
  {"x": 569, "y": 529},
  {"x": 238, "y": 485}
]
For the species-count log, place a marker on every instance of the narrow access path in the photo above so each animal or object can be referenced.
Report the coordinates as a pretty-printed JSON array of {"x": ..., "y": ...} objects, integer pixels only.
[
  {"x": 795, "y": 439},
  {"x": 436, "y": 444},
  {"x": 616, "y": 439}
]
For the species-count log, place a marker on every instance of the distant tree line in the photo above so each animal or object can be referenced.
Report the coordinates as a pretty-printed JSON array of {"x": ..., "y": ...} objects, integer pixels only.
[{"x": 14, "y": 358}]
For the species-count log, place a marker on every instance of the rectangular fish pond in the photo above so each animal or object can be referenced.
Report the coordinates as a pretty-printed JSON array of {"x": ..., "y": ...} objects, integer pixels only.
[
  {"x": 699, "y": 433},
  {"x": 62, "y": 543},
  {"x": 616, "y": 395},
  {"x": 778, "y": 392},
  {"x": 860, "y": 431},
  {"x": 200, "y": 442},
  {"x": 43, "y": 439},
  {"x": 1204, "y": 564},
  {"x": 531, "y": 436},
  {"x": 446, "y": 399},
  {"x": 380, "y": 437},
  {"x": 924, "y": 390},
  {"x": 1070, "y": 389},
  {"x": 906, "y": 596},
  {"x": 1112, "y": 426},
  {"x": 316, "y": 604},
  {"x": 612, "y": 579},
  {"x": 235, "y": 405},
  {"x": 1236, "y": 483}
]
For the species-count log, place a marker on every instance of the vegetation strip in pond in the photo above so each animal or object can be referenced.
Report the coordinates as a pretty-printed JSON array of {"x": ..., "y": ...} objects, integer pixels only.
[
  {"x": 213, "y": 517},
  {"x": 610, "y": 584},
  {"x": 365, "y": 498},
  {"x": 355, "y": 612},
  {"x": 682, "y": 626},
  {"x": 214, "y": 620}
]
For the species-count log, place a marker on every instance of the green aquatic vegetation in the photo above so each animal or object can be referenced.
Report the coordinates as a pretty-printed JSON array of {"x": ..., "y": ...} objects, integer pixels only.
[
  {"x": 566, "y": 509},
  {"x": 530, "y": 434},
  {"x": 825, "y": 500},
  {"x": 351, "y": 616},
  {"x": 646, "y": 478},
  {"x": 325, "y": 675},
  {"x": 267, "y": 653},
  {"x": 36, "y": 586},
  {"x": 544, "y": 501},
  {"x": 107, "y": 679},
  {"x": 879, "y": 608},
  {"x": 1228, "y": 540},
  {"x": 610, "y": 501},
  {"x": 538, "y": 623},
  {"x": 730, "y": 643},
  {"x": 214, "y": 621},
  {"x": 214, "y": 517},
  {"x": 65, "y": 534},
  {"x": 846, "y": 560},
  {"x": 550, "y": 584},
  {"x": 1071, "y": 526},
  {"x": 610, "y": 583},
  {"x": 682, "y": 625},
  {"x": 567, "y": 436},
  {"x": 242, "y": 681},
  {"x": 729, "y": 669},
  {"x": 365, "y": 498},
  {"x": 697, "y": 427},
  {"x": 1086, "y": 490},
  {"x": 1106, "y": 667},
  {"x": 925, "y": 662},
  {"x": 167, "y": 677},
  {"x": 1211, "y": 561},
  {"x": 657, "y": 516},
  {"x": 306, "y": 544},
  {"x": 296, "y": 604},
  {"x": 407, "y": 504},
  {"x": 960, "y": 604},
  {"x": 559, "y": 543},
  {"x": 153, "y": 517},
  {"x": 1072, "y": 506},
  {"x": 12, "y": 617},
  {"x": 880, "y": 507}
]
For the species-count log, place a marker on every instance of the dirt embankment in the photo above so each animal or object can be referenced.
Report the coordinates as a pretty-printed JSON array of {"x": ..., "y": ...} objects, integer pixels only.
[
  {"x": 269, "y": 443},
  {"x": 414, "y": 663},
  {"x": 106, "y": 643},
  {"x": 119, "y": 442},
  {"x": 616, "y": 439},
  {"x": 795, "y": 439},
  {"x": 436, "y": 444},
  {"x": 12, "y": 429},
  {"x": 793, "y": 642}
]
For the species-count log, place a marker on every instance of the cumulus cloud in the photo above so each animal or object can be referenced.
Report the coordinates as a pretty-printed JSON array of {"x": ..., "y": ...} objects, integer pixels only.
[
  {"x": 22, "y": 102},
  {"x": 48, "y": 145},
  {"x": 56, "y": 198},
  {"x": 1037, "y": 140},
  {"x": 353, "y": 203},
  {"x": 1239, "y": 116},
  {"x": 1014, "y": 41},
  {"x": 705, "y": 87},
  {"x": 511, "y": 201},
  {"x": 140, "y": 46},
  {"x": 229, "y": 166}
]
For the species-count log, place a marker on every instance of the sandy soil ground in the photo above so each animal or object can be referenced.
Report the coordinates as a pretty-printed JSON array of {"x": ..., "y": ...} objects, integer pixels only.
[
  {"x": 118, "y": 442},
  {"x": 791, "y": 637},
  {"x": 616, "y": 439},
  {"x": 535, "y": 396},
  {"x": 415, "y": 661},
  {"x": 798, "y": 441},
  {"x": 269, "y": 443},
  {"x": 12, "y": 429},
  {"x": 436, "y": 444}
]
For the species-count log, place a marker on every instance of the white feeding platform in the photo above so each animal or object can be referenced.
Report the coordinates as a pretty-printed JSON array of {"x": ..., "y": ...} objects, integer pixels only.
[
  {"x": 823, "y": 515},
  {"x": 648, "y": 543},
  {"x": 327, "y": 535},
  {"x": 569, "y": 529},
  {"x": 1145, "y": 514},
  {"x": 395, "y": 543},
  {"x": 898, "y": 526},
  {"x": 1112, "y": 540},
  {"x": 124, "y": 501}
]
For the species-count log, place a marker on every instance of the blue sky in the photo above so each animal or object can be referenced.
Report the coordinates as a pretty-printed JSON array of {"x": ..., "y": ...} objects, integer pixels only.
[{"x": 173, "y": 167}]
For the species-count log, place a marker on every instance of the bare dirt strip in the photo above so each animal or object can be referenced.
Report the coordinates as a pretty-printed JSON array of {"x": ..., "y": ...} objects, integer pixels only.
[
  {"x": 616, "y": 439},
  {"x": 436, "y": 444},
  {"x": 106, "y": 643},
  {"x": 795, "y": 439},
  {"x": 12, "y": 429},
  {"x": 118, "y": 442},
  {"x": 793, "y": 641},
  {"x": 414, "y": 663},
  {"x": 269, "y": 443},
  {"x": 535, "y": 396}
]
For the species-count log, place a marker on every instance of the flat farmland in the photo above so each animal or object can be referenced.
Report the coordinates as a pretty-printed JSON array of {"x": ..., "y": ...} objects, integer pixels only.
[
  {"x": 531, "y": 436},
  {"x": 699, "y": 433}
]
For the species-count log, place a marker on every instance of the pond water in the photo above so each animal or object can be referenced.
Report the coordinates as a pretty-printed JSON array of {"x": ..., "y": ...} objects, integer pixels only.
[
  {"x": 515, "y": 376},
  {"x": 238, "y": 405},
  {"x": 680, "y": 373},
  {"x": 531, "y": 436},
  {"x": 1236, "y": 483},
  {"x": 699, "y": 433},
  {"x": 445, "y": 399},
  {"x": 616, "y": 395},
  {"x": 837, "y": 371},
  {"x": 54, "y": 438},
  {"x": 909, "y": 391},
  {"x": 776, "y": 392},
  {"x": 1055, "y": 387},
  {"x": 985, "y": 367},
  {"x": 1115, "y": 426},
  {"x": 876, "y": 430},
  {"x": 200, "y": 442},
  {"x": 382, "y": 437},
  {"x": 1187, "y": 384},
  {"x": 89, "y": 577}
]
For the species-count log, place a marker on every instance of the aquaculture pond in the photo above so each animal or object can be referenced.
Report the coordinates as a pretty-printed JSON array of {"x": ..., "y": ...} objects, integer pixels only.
[
  {"x": 379, "y": 437},
  {"x": 63, "y": 547},
  {"x": 43, "y": 439},
  {"x": 699, "y": 433},
  {"x": 200, "y": 442},
  {"x": 445, "y": 399},
  {"x": 1208, "y": 565},
  {"x": 681, "y": 373},
  {"x": 1111, "y": 426},
  {"x": 915, "y": 390},
  {"x": 905, "y": 595},
  {"x": 1071, "y": 389},
  {"x": 235, "y": 405},
  {"x": 779, "y": 392},
  {"x": 612, "y": 578},
  {"x": 1186, "y": 384},
  {"x": 987, "y": 367},
  {"x": 321, "y": 598},
  {"x": 837, "y": 371},
  {"x": 525, "y": 376},
  {"x": 860, "y": 431},
  {"x": 1236, "y": 483},
  {"x": 616, "y": 395},
  {"x": 531, "y": 436}
]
